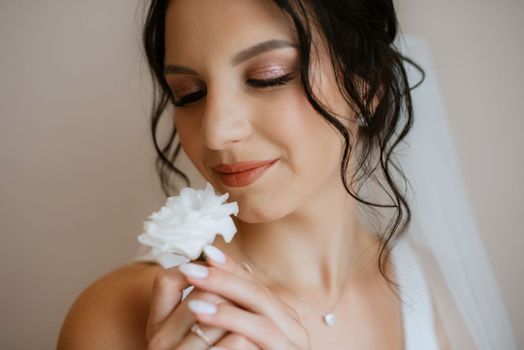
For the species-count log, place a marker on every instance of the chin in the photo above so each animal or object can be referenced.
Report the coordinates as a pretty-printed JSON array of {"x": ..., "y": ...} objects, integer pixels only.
[{"x": 256, "y": 210}]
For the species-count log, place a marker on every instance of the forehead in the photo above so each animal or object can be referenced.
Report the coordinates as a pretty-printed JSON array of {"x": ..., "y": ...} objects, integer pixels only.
[{"x": 196, "y": 30}]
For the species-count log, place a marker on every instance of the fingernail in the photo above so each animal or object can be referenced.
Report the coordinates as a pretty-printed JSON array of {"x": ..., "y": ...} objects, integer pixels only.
[
  {"x": 202, "y": 307},
  {"x": 194, "y": 270},
  {"x": 214, "y": 253},
  {"x": 217, "y": 348}
]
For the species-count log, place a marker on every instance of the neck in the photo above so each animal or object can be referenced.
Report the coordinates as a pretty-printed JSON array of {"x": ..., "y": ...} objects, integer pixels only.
[{"x": 318, "y": 247}]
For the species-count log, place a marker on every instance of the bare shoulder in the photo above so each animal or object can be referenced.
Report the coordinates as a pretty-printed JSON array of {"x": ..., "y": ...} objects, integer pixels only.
[{"x": 112, "y": 312}]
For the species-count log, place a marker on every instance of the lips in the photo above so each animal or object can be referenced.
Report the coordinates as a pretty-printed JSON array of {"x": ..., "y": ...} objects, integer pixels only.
[
  {"x": 242, "y": 173},
  {"x": 241, "y": 166}
]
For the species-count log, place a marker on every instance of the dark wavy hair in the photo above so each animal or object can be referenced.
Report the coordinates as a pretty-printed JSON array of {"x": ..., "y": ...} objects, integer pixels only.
[{"x": 359, "y": 35}]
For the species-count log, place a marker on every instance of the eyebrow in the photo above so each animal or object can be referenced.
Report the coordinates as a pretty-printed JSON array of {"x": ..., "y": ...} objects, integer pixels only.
[{"x": 240, "y": 57}]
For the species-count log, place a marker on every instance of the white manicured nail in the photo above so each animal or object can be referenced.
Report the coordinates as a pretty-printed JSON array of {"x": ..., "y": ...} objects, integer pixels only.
[
  {"x": 214, "y": 253},
  {"x": 201, "y": 307},
  {"x": 217, "y": 348},
  {"x": 193, "y": 270}
]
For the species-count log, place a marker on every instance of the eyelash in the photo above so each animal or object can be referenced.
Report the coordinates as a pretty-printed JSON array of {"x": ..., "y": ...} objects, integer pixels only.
[{"x": 257, "y": 83}]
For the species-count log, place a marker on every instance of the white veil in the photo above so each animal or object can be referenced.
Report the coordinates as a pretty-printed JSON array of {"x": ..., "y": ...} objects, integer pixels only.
[{"x": 444, "y": 233}]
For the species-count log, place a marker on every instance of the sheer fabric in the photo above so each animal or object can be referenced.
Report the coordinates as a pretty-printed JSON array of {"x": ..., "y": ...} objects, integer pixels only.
[
  {"x": 417, "y": 308},
  {"x": 444, "y": 234}
]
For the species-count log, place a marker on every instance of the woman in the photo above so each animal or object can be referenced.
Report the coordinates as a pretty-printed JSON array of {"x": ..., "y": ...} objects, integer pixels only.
[{"x": 315, "y": 96}]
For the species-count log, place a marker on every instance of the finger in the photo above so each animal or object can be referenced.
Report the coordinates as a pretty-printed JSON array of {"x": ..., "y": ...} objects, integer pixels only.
[
  {"x": 178, "y": 324},
  {"x": 192, "y": 341},
  {"x": 258, "y": 329},
  {"x": 249, "y": 294},
  {"x": 233, "y": 341},
  {"x": 217, "y": 258},
  {"x": 166, "y": 295}
]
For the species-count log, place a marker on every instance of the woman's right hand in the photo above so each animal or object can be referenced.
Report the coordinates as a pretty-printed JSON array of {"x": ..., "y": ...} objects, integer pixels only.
[{"x": 170, "y": 320}]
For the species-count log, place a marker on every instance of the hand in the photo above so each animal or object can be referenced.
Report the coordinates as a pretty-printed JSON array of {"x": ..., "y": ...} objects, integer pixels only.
[
  {"x": 254, "y": 312},
  {"x": 170, "y": 320}
]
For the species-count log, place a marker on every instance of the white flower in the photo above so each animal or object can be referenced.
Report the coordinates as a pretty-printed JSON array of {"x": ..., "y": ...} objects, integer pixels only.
[{"x": 179, "y": 231}]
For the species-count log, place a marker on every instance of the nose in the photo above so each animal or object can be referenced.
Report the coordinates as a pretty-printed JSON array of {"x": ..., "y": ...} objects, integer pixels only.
[{"x": 225, "y": 122}]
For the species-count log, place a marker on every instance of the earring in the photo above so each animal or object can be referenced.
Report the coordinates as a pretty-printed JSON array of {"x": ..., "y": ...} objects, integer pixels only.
[{"x": 361, "y": 120}]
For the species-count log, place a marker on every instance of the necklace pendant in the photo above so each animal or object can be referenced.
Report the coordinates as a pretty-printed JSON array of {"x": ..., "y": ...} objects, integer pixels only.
[{"x": 329, "y": 319}]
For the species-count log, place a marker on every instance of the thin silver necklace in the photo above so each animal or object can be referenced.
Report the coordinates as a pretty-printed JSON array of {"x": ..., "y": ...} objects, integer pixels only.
[{"x": 328, "y": 318}]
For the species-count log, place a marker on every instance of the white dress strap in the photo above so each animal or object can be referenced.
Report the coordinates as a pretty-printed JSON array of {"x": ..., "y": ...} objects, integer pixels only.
[{"x": 417, "y": 310}]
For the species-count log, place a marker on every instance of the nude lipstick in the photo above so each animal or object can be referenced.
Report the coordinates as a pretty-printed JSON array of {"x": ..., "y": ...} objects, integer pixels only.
[{"x": 242, "y": 173}]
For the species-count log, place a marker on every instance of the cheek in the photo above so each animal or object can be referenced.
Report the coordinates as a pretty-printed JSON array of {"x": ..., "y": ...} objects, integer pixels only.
[
  {"x": 188, "y": 132},
  {"x": 318, "y": 146},
  {"x": 185, "y": 133},
  {"x": 308, "y": 141}
]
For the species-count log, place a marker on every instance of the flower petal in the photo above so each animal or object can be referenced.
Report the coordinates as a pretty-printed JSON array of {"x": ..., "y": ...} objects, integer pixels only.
[{"x": 186, "y": 223}]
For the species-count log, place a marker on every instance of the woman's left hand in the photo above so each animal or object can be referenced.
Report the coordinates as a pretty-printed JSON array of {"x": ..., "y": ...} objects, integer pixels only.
[{"x": 256, "y": 313}]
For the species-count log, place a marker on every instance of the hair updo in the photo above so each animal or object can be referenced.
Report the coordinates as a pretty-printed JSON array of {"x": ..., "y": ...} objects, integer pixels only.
[{"x": 360, "y": 36}]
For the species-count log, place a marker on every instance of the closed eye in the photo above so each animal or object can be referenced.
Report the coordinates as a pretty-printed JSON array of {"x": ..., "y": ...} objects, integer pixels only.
[
  {"x": 192, "y": 97},
  {"x": 256, "y": 83},
  {"x": 281, "y": 80}
]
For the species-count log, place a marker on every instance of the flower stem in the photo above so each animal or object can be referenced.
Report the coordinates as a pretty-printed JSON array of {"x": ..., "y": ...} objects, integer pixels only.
[{"x": 202, "y": 257}]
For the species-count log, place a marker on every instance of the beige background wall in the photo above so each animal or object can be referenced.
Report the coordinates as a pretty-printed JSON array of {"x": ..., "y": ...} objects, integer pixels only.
[{"x": 76, "y": 161}]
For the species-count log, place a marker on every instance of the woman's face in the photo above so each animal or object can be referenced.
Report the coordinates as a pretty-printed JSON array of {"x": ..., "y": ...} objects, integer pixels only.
[{"x": 225, "y": 115}]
